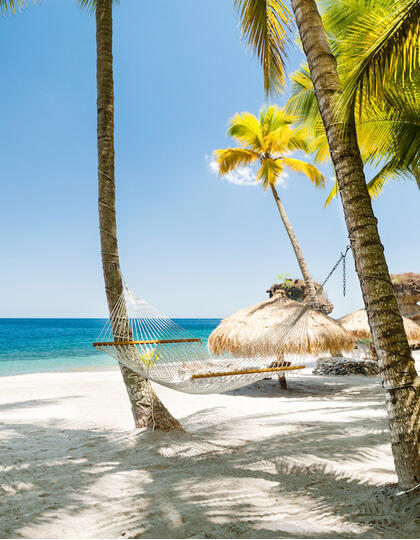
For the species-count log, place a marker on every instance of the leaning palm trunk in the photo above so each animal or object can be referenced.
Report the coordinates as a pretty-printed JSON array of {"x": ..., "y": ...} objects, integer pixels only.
[
  {"x": 295, "y": 244},
  {"x": 402, "y": 386},
  {"x": 146, "y": 406}
]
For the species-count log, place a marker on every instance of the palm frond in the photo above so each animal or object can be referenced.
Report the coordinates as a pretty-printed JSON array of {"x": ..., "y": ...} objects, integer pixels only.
[
  {"x": 376, "y": 185},
  {"x": 90, "y": 5},
  {"x": 380, "y": 44},
  {"x": 279, "y": 134},
  {"x": 264, "y": 25},
  {"x": 320, "y": 146},
  {"x": 341, "y": 14},
  {"x": 230, "y": 158},
  {"x": 11, "y": 5},
  {"x": 390, "y": 171},
  {"x": 302, "y": 103},
  {"x": 269, "y": 172},
  {"x": 273, "y": 118},
  {"x": 307, "y": 169},
  {"x": 332, "y": 195},
  {"x": 299, "y": 139},
  {"x": 390, "y": 127},
  {"x": 286, "y": 140},
  {"x": 245, "y": 128}
]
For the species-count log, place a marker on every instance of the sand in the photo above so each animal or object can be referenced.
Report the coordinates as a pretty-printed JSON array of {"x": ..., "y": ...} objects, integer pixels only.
[{"x": 312, "y": 461}]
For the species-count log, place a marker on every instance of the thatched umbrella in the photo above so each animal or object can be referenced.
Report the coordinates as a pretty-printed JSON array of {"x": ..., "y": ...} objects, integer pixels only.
[
  {"x": 247, "y": 331},
  {"x": 357, "y": 323}
]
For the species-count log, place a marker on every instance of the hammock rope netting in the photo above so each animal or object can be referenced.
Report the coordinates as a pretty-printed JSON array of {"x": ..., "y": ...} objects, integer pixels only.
[{"x": 139, "y": 337}]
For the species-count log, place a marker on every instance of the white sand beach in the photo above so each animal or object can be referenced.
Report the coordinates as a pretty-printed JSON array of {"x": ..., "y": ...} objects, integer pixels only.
[{"x": 312, "y": 461}]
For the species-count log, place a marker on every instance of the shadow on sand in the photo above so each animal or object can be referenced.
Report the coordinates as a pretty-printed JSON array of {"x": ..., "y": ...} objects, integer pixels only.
[{"x": 157, "y": 485}]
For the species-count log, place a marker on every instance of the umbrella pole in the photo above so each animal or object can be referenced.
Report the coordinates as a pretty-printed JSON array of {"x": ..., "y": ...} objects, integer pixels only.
[
  {"x": 282, "y": 382},
  {"x": 280, "y": 362}
]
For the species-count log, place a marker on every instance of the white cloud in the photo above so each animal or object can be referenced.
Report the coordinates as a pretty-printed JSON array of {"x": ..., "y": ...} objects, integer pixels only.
[
  {"x": 242, "y": 176},
  {"x": 214, "y": 167}
]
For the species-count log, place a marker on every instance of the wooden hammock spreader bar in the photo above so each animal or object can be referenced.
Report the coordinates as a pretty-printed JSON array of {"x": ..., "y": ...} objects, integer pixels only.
[
  {"x": 145, "y": 342},
  {"x": 244, "y": 372}
]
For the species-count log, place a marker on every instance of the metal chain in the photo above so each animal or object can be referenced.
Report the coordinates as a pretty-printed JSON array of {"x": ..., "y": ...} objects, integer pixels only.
[
  {"x": 344, "y": 276},
  {"x": 341, "y": 258}
]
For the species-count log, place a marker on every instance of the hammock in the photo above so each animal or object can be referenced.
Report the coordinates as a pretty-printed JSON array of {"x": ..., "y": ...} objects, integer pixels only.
[{"x": 139, "y": 337}]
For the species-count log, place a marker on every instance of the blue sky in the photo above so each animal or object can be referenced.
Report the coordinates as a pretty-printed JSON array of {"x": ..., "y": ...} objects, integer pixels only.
[{"x": 190, "y": 243}]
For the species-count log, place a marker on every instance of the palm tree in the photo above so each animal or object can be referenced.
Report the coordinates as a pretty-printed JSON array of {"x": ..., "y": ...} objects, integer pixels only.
[
  {"x": 146, "y": 407},
  {"x": 399, "y": 376},
  {"x": 387, "y": 121},
  {"x": 268, "y": 141}
]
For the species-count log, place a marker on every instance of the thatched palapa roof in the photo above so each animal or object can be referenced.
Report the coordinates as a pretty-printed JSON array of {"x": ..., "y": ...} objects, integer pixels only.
[
  {"x": 247, "y": 332},
  {"x": 357, "y": 323}
]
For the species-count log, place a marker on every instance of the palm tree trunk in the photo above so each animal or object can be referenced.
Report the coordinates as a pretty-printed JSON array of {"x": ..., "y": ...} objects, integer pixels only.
[
  {"x": 399, "y": 377},
  {"x": 294, "y": 241},
  {"x": 146, "y": 406}
]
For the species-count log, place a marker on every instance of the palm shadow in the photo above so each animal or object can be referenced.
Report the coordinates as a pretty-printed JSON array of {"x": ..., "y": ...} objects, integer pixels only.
[
  {"x": 211, "y": 482},
  {"x": 30, "y": 403},
  {"x": 305, "y": 386}
]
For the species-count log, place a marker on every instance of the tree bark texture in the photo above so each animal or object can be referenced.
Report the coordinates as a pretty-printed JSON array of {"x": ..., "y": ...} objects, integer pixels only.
[
  {"x": 295, "y": 244},
  {"x": 400, "y": 380},
  {"x": 144, "y": 403}
]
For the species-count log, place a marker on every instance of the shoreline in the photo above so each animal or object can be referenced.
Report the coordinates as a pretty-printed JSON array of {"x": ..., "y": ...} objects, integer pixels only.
[{"x": 67, "y": 370}]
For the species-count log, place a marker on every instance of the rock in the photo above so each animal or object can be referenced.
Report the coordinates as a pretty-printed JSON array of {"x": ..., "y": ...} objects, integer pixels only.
[
  {"x": 295, "y": 290},
  {"x": 345, "y": 366},
  {"x": 407, "y": 291}
]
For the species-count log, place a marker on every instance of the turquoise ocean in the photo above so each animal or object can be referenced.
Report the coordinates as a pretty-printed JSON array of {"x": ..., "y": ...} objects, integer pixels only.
[{"x": 39, "y": 345}]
